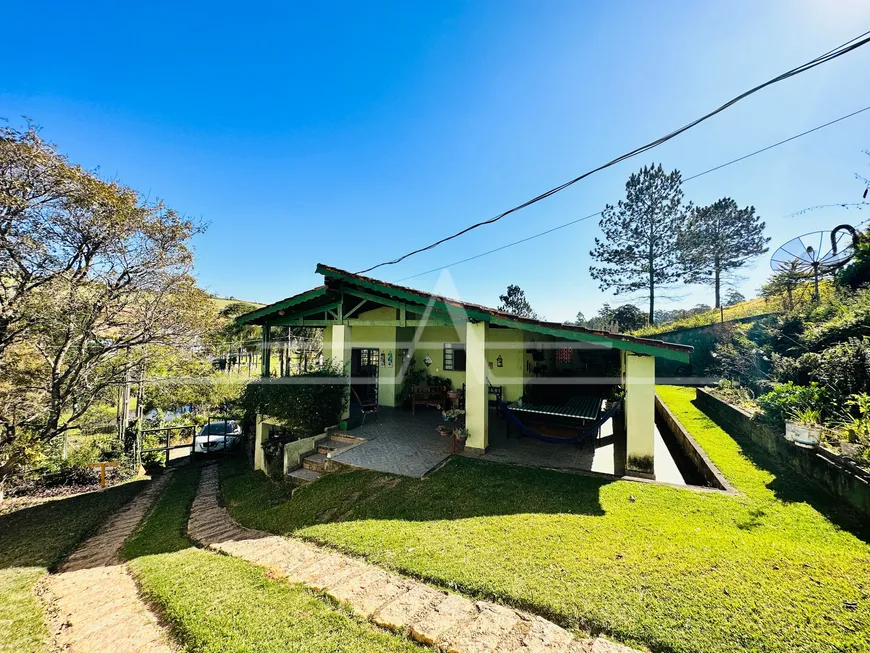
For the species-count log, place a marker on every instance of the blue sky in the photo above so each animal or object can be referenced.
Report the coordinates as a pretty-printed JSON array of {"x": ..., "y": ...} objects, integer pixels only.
[{"x": 349, "y": 133}]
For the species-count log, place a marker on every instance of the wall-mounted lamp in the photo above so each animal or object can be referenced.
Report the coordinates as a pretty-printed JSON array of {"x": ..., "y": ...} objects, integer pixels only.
[
  {"x": 499, "y": 361},
  {"x": 428, "y": 361}
]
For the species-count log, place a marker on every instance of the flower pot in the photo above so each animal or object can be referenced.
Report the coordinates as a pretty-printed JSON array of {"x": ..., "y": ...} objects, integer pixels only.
[{"x": 803, "y": 435}]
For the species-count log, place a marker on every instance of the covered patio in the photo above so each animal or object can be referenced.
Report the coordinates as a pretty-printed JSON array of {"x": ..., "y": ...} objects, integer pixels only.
[{"x": 408, "y": 444}]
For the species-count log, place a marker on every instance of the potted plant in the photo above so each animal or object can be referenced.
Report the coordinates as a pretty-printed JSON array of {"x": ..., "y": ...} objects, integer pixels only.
[
  {"x": 805, "y": 429},
  {"x": 451, "y": 415},
  {"x": 460, "y": 436}
]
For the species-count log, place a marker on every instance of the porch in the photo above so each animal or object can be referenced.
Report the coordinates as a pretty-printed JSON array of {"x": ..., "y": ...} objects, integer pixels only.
[{"x": 408, "y": 444}]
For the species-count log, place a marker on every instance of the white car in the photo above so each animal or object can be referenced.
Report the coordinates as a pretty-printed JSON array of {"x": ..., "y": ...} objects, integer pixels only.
[{"x": 218, "y": 436}]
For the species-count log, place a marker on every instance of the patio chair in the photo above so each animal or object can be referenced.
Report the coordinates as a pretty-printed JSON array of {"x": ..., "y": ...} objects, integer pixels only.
[{"x": 367, "y": 407}]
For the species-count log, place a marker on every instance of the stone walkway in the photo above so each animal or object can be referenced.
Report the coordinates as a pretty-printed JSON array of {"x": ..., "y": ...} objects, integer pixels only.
[
  {"x": 92, "y": 599},
  {"x": 447, "y": 621}
]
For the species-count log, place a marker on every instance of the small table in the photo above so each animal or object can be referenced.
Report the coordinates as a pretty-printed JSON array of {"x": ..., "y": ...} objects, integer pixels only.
[{"x": 576, "y": 410}]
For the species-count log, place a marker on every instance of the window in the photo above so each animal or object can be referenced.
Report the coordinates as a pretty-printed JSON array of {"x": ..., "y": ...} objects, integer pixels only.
[
  {"x": 368, "y": 357},
  {"x": 454, "y": 356}
]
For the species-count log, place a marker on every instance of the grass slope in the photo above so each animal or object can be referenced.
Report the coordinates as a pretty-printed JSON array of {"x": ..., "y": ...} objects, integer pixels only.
[
  {"x": 34, "y": 540},
  {"x": 673, "y": 569},
  {"x": 216, "y": 603},
  {"x": 748, "y": 308}
]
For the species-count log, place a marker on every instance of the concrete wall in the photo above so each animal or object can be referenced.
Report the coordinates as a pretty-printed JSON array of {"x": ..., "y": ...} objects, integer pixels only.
[
  {"x": 830, "y": 471},
  {"x": 709, "y": 472},
  {"x": 294, "y": 451}
]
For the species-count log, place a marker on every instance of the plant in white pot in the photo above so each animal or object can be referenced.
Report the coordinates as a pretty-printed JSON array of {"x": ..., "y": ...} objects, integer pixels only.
[{"x": 805, "y": 428}]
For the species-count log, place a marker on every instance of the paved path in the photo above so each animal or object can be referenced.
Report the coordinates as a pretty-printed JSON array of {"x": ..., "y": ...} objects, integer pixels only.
[
  {"x": 93, "y": 600},
  {"x": 448, "y": 621}
]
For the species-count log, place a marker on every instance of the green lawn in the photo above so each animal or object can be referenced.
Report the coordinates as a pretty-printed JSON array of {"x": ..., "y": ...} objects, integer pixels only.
[
  {"x": 215, "y": 603},
  {"x": 673, "y": 569},
  {"x": 35, "y": 539}
]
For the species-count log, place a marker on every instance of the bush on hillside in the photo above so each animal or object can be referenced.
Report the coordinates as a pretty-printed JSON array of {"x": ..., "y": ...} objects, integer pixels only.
[
  {"x": 784, "y": 401},
  {"x": 306, "y": 403}
]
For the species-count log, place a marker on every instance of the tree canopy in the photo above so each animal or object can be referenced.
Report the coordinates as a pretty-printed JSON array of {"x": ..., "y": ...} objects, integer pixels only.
[
  {"x": 718, "y": 239},
  {"x": 514, "y": 302},
  {"x": 639, "y": 250},
  {"x": 92, "y": 279}
]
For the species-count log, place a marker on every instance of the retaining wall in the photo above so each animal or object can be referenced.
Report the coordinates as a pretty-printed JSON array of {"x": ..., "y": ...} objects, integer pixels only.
[{"x": 838, "y": 475}]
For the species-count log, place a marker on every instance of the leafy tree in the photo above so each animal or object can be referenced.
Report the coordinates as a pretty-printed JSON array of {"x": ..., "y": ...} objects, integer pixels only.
[
  {"x": 718, "y": 239},
  {"x": 514, "y": 301},
  {"x": 580, "y": 320},
  {"x": 628, "y": 317},
  {"x": 639, "y": 250},
  {"x": 734, "y": 297},
  {"x": 91, "y": 276}
]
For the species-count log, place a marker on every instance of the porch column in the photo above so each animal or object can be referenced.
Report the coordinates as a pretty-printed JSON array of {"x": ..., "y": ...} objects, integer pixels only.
[
  {"x": 639, "y": 377},
  {"x": 266, "y": 354},
  {"x": 476, "y": 388},
  {"x": 341, "y": 345},
  {"x": 261, "y": 434}
]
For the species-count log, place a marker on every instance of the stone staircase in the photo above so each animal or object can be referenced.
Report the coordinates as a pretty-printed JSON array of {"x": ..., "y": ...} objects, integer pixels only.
[{"x": 319, "y": 462}]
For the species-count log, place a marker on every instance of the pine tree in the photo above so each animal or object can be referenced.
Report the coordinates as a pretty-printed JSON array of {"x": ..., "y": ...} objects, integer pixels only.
[
  {"x": 639, "y": 250},
  {"x": 718, "y": 239},
  {"x": 514, "y": 301}
]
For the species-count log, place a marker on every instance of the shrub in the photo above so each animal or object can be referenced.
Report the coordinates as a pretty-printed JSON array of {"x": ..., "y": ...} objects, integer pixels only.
[
  {"x": 789, "y": 399},
  {"x": 844, "y": 369},
  {"x": 740, "y": 359},
  {"x": 734, "y": 394},
  {"x": 306, "y": 403}
]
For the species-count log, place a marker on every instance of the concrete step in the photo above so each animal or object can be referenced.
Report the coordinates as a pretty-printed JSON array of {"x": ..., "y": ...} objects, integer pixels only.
[
  {"x": 316, "y": 462},
  {"x": 302, "y": 476},
  {"x": 335, "y": 443}
]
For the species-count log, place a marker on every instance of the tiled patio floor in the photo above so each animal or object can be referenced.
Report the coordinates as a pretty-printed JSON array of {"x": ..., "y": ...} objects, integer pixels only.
[
  {"x": 400, "y": 443},
  {"x": 606, "y": 457},
  {"x": 408, "y": 445}
]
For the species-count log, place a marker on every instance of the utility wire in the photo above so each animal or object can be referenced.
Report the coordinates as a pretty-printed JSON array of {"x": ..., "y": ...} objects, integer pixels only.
[
  {"x": 845, "y": 48},
  {"x": 593, "y": 215}
]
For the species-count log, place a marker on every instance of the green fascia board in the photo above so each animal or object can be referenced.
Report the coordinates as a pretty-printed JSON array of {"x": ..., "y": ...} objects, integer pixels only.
[
  {"x": 594, "y": 338},
  {"x": 262, "y": 313}
]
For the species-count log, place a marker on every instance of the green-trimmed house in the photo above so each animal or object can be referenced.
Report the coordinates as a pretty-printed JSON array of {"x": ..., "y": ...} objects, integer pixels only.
[{"x": 379, "y": 330}]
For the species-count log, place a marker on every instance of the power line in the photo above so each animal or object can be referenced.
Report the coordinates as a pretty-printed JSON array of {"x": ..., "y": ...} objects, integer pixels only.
[
  {"x": 839, "y": 51},
  {"x": 593, "y": 215}
]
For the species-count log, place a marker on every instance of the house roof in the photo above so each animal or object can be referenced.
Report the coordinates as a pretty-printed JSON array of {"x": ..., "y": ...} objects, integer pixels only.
[{"x": 335, "y": 279}]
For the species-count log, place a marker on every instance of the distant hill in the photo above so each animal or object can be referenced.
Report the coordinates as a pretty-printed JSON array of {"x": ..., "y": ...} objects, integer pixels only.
[{"x": 222, "y": 302}]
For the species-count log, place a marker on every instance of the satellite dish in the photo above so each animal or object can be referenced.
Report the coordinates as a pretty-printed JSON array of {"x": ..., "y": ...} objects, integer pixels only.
[{"x": 816, "y": 254}]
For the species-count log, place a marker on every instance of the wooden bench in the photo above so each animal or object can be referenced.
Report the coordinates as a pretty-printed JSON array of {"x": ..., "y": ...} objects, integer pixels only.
[{"x": 428, "y": 395}]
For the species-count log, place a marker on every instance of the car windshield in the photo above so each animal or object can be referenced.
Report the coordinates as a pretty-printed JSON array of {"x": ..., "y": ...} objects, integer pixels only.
[{"x": 219, "y": 428}]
